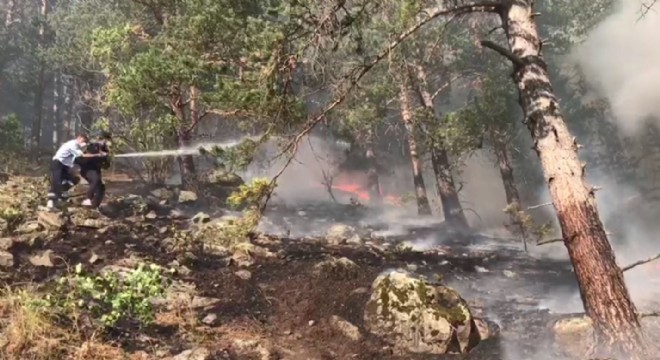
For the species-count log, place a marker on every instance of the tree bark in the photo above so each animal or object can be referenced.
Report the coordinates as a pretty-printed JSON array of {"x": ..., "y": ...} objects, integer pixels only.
[
  {"x": 451, "y": 205},
  {"x": 423, "y": 206},
  {"x": 57, "y": 109},
  {"x": 373, "y": 180},
  {"x": 184, "y": 137},
  {"x": 604, "y": 294},
  {"x": 506, "y": 171},
  {"x": 37, "y": 121}
]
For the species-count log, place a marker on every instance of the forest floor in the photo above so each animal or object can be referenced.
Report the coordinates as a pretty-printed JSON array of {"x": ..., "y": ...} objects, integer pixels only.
[{"x": 276, "y": 305}]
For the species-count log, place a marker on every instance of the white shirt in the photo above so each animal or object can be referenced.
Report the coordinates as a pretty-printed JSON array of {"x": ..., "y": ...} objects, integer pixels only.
[{"x": 68, "y": 152}]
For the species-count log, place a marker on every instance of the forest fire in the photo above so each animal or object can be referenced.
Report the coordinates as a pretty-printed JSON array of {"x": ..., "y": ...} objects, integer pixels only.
[{"x": 363, "y": 195}]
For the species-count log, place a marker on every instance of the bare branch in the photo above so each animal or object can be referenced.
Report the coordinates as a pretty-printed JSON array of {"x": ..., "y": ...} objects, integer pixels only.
[
  {"x": 355, "y": 76},
  {"x": 649, "y": 314},
  {"x": 538, "y": 206},
  {"x": 517, "y": 61},
  {"x": 640, "y": 262},
  {"x": 549, "y": 241}
]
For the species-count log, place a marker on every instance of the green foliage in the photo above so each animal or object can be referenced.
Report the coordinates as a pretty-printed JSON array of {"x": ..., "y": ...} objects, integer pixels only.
[
  {"x": 250, "y": 194},
  {"x": 138, "y": 135},
  {"x": 236, "y": 157},
  {"x": 11, "y": 136},
  {"x": 13, "y": 216},
  {"x": 110, "y": 297},
  {"x": 524, "y": 225}
]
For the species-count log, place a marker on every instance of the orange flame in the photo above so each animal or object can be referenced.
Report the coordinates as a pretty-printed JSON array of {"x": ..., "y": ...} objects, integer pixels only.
[{"x": 363, "y": 194}]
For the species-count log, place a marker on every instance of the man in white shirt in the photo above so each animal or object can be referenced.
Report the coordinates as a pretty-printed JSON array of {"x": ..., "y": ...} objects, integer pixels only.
[{"x": 62, "y": 165}]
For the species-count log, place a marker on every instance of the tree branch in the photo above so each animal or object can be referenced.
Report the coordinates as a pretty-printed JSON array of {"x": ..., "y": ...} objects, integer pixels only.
[
  {"x": 640, "y": 262},
  {"x": 517, "y": 61},
  {"x": 357, "y": 74},
  {"x": 549, "y": 241},
  {"x": 538, "y": 206}
]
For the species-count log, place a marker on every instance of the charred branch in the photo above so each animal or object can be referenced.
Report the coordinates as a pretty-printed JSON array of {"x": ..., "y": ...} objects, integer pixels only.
[
  {"x": 640, "y": 262},
  {"x": 517, "y": 61}
]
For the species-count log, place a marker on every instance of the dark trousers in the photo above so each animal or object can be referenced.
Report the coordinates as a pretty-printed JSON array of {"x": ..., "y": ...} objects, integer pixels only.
[
  {"x": 96, "y": 189},
  {"x": 59, "y": 174}
]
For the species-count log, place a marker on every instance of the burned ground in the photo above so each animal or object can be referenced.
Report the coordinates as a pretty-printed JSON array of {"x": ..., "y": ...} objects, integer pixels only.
[{"x": 280, "y": 306}]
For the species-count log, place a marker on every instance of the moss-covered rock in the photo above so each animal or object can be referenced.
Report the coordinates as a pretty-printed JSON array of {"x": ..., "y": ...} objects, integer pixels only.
[
  {"x": 418, "y": 317},
  {"x": 224, "y": 178}
]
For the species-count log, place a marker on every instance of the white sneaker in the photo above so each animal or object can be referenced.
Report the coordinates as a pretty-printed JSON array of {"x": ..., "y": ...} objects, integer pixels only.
[
  {"x": 50, "y": 204},
  {"x": 86, "y": 202}
]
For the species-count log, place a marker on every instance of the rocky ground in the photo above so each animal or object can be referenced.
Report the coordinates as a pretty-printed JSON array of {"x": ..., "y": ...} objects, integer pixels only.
[{"x": 337, "y": 296}]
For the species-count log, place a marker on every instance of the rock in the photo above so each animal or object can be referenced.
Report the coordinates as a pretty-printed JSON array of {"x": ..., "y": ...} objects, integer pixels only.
[
  {"x": 418, "y": 317},
  {"x": 487, "y": 329},
  {"x": 210, "y": 320},
  {"x": 251, "y": 349},
  {"x": 6, "y": 259},
  {"x": 151, "y": 215},
  {"x": 311, "y": 323},
  {"x": 94, "y": 258},
  {"x": 6, "y": 244},
  {"x": 481, "y": 269},
  {"x": 243, "y": 274},
  {"x": 224, "y": 178},
  {"x": 44, "y": 258},
  {"x": 203, "y": 302},
  {"x": 200, "y": 353},
  {"x": 50, "y": 220},
  {"x": 339, "y": 234},
  {"x": 339, "y": 269},
  {"x": 29, "y": 227},
  {"x": 4, "y": 226},
  {"x": 508, "y": 273},
  {"x": 200, "y": 218},
  {"x": 163, "y": 194},
  {"x": 349, "y": 330},
  {"x": 575, "y": 335},
  {"x": 187, "y": 197}
]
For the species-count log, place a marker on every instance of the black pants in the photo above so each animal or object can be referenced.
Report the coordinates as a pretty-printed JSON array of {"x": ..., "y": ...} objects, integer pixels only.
[
  {"x": 59, "y": 173},
  {"x": 96, "y": 189}
]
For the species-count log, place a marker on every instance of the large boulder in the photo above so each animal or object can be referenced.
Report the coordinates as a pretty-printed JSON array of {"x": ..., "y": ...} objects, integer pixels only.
[{"x": 416, "y": 316}]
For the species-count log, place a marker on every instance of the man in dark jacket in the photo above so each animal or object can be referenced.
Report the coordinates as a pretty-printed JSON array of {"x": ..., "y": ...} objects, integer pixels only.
[{"x": 90, "y": 169}]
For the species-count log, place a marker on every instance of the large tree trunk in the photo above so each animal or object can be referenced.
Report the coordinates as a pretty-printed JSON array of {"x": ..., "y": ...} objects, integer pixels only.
[
  {"x": 57, "y": 109},
  {"x": 184, "y": 138},
  {"x": 451, "y": 205},
  {"x": 37, "y": 121},
  {"x": 423, "y": 206},
  {"x": 373, "y": 180},
  {"x": 604, "y": 294},
  {"x": 510, "y": 189}
]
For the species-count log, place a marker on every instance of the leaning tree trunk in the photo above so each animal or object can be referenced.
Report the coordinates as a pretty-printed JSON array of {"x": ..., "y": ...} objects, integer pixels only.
[
  {"x": 604, "y": 294},
  {"x": 423, "y": 206},
  {"x": 451, "y": 205}
]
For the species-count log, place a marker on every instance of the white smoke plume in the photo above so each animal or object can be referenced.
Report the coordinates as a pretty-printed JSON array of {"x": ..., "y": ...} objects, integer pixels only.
[{"x": 620, "y": 61}]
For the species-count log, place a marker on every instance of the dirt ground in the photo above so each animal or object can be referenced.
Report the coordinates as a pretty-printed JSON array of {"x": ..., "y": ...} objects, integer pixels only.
[{"x": 280, "y": 308}]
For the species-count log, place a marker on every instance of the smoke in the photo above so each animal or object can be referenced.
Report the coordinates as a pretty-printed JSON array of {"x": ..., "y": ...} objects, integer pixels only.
[{"x": 620, "y": 61}]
